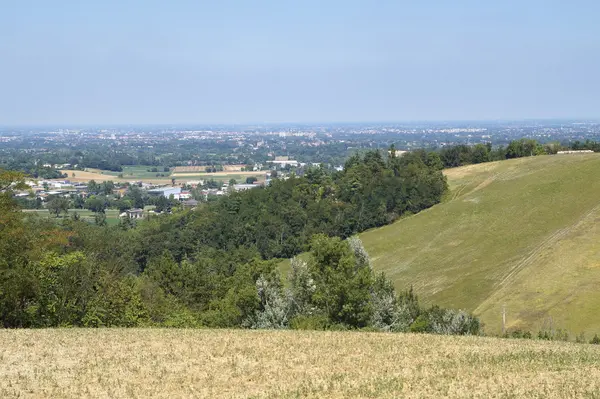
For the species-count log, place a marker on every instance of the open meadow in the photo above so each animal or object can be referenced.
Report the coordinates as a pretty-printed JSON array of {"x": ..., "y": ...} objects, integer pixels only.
[
  {"x": 264, "y": 364},
  {"x": 202, "y": 169},
  {"x": 520, "y": 233},
  {"x": 112, "y": 215},
  {"x": 224, "y": 176}
]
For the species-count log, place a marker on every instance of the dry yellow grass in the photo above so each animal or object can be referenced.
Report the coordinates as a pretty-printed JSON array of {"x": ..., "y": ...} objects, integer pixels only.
[
  {"x": 224, "y": 363},
  {"x": 85, "y": 176},
  {"x": 98, "y": 177}
]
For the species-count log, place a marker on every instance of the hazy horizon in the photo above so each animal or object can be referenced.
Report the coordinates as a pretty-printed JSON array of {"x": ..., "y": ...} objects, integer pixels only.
[
  {"x": 276, "y": 62},
  {"x": 474, "y": 122}
]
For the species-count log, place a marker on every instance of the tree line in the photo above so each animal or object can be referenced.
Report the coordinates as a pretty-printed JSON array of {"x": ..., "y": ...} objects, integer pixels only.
[{"x": 459, "y": 155}]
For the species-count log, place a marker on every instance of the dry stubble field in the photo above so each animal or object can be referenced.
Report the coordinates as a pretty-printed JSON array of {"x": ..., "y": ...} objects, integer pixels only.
[{"x": 235, "y": 363}]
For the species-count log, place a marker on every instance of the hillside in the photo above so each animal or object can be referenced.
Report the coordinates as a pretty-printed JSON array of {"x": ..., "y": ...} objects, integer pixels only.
[
  {"x": 241, "y": 363},
  {"x": 521, "y": 232}
]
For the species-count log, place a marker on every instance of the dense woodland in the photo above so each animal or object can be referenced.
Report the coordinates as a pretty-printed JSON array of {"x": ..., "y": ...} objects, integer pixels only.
[{"x": 217, "y": 266}]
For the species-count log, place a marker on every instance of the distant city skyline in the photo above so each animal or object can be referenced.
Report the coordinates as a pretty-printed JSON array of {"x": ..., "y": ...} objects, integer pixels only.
[{"x": 273, "y": 62}]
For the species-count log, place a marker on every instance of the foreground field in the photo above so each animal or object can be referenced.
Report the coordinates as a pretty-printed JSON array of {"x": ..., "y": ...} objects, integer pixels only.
[
  {"x": 226, "y": 363},
  {"x": 522, "y": 233}
]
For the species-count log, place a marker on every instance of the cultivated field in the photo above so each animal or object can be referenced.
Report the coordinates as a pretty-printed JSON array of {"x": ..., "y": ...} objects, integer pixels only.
[
  {"x": 265, "y": 364},
  {"x": 218, "y": 174},
  {"x": 202, "y": 169},
  {"x": 130, "y": 174},
  {"x": 85, "y": 176},
  {"x": 181, "y": 173},
  {"x": 522, "y": 233}
]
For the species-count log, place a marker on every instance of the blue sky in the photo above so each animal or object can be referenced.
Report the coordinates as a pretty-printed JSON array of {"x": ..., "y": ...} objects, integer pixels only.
[{"x": 146, "y": 62}]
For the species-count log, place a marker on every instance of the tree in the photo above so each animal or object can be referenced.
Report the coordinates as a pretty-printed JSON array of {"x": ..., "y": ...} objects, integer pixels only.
[
  {"x": 95, "y": 204},
  {"x": 100, "y": 219},
  {"x": 343, "y": 280},
  {"x": 20, "y": 243},
  {"x": 480, "y": 154},
  {"x": 58, "y": 300},
  {"x": 123, "y": 205},
  {"x": 434, "y": 161},
  {"x": 251, "y": 180},
  {"x": 58, "y": 205},
  {"x": 162, "y": 204},
  {"x": 107, "y": 187},
  {"x": 92, "y": 187},
  {"x": 136, "y": 196}
]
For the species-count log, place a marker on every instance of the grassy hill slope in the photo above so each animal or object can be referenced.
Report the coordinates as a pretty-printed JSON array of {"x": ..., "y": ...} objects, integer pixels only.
[
  {"x": 521, "y": 232},
  {"x": 130, "y": 363}
]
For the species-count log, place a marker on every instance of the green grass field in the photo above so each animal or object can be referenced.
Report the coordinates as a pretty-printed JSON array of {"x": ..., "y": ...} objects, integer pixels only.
[
  {"x": 138, "y": 172},
  {"x": 521, "y": 233},
  {"x": 196, "y": 363},
  {"x": 239, "y": 177},
  {"x": 112, "y": 215}
]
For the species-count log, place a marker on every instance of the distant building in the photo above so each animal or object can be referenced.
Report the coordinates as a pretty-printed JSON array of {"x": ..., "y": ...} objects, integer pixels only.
[
  {"x": 283, "y": 161},
  {"x": 241, "y": 187},
  {"x": 165, "y": 191},
  {"x": 211, "y": 192},
  {"x": 134, "y": 213},
  {"x": 184, "y": 195},
  {"x": 397, "y": 153},
  {"x": 191, "y": 203}
]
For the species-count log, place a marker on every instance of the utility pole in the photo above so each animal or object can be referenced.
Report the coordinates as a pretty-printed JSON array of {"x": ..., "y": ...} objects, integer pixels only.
[{"x": 503, "y": 319}]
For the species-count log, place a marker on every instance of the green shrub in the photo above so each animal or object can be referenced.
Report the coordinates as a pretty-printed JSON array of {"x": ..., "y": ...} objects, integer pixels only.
[
  {"x": 518, "y": 333},
  {"x": 420, "y": 325},
  {"x": 314, "y": 322},
  {"x": 580, "y": 339}
]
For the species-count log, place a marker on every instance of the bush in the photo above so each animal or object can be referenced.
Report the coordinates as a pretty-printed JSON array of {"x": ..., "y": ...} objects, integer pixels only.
[
  {"x": 452, "y": 322},
  {"x": 519, "y": 334},
  {"x": 389, "y": 313},
  {"x": 275, "y": 308},
  {"x": 595, "y": 340},
  {"x": 420, "y": 325},
  {"x": 553, "y": 335},
  {"x": 312, "y": 322}
]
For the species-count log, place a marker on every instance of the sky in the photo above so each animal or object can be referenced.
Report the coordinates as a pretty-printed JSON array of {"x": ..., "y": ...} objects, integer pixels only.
[{"x": 178, "y": 61}]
